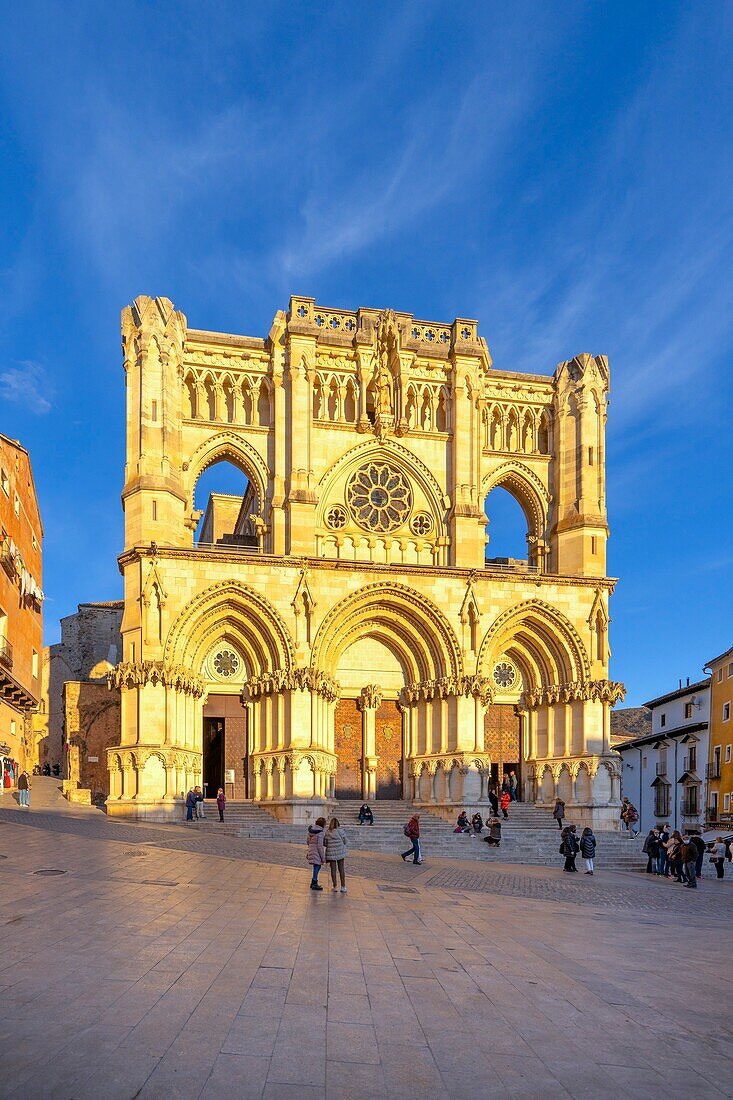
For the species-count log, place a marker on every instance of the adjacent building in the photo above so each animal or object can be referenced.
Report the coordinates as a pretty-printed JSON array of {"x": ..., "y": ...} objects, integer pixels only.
[
  {"x": 21, "y": 602},
  {"x": 664, "y": 771},
  {"x": 720, "y": 758}
]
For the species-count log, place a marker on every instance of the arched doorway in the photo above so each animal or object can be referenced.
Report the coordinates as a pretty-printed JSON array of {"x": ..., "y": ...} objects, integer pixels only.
[{"x": 225, "y": 501}]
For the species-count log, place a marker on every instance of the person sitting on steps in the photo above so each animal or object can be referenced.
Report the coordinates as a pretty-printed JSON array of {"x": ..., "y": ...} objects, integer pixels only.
[{"x": 366, "y": 815}]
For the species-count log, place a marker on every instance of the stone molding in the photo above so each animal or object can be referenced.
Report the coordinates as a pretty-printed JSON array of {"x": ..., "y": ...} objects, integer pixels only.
[
  {"x": 137, "y": 756},
  {"x": 478, "y": 687},
  {"x": 586, "y": 691},
  {"x": 555, "y": 765},
  {"x": 297, "y": 679},
  {"x": 322, "y": 763},
  {"x": 465, "y": 762},
  {"x": 133, "y": 674}
]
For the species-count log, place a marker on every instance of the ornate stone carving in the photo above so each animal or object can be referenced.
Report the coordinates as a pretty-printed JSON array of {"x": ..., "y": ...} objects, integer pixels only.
[
  {"x": 478, "y": 687},
  {"x": 371, "y": 697},
  {"x": 298, "y": 679},
  {"x": 586, "y": 691},
  {"x": 132, "y": 674}
]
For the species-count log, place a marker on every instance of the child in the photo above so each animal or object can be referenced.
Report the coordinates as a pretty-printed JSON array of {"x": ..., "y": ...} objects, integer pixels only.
[
  {"x": 588, "y": 849},
  {"x": 316, "y": 852},
  {"x": 221, "y": 802},
  {"x": 504, "y": 803}
]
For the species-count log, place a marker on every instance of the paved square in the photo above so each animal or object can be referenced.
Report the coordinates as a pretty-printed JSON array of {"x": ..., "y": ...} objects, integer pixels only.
[{"x": 167, "y": 964}]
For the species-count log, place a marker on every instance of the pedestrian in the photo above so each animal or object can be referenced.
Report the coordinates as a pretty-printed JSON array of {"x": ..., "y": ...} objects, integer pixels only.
[
  {"x": 688, "y": 852},
  {"x": 477, "y": 824},
  {"x": 588, "y": 849},
  {"x": 190, "y": 804},
  {"x": 494, "y": 800},
  {"x": 701, "y": 847},
  {"x": 221, "y": 801},
  {"x": 717, "y": 856},
  {"x": 365, "y": 814},
  {"x": 513, "y": 786},
  {"x": 337, "y": 848},
  {"x": 199, "y": 803},
  {"x": 630, "y": 817},
  {"x": 674, "y": 856},
  {"x": 504, "y": 803},
  {"x": 663, "y": 861},
  {"x": 651, "y": 851},
  {"x": 463, "y": 825},
  {"x": 24, "y": 790},
  {"x": 559, "y": 812},
  {"x": 494, "y": 837},
  {"x": 505, "y": 783},
  {"x": 412, "y": 830},
  {"x": 569, "y": 847},
  {"x": 316, "y": 852}
]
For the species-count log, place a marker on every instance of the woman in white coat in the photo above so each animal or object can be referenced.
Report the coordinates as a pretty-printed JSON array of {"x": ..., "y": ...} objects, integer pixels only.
[{"x": 337, "y": 849}]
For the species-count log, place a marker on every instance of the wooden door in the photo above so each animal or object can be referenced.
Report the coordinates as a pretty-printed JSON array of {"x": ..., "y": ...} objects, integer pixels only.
[
  {"x": 348, "y": 745},
  {"x": 388, "y": 747}
]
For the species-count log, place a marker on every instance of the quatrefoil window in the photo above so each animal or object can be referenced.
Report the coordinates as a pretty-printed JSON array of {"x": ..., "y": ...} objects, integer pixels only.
[
  {"x": 379, "y": 497},
  {"x": 422, "y": 523},
  {"x": 226, "y": 663},
  {"x": 336, "y": 518},
  {"x": 505, "y": 675}
]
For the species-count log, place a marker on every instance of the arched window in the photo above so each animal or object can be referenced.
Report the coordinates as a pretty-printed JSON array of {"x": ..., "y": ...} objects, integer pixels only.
[
  {"x": 210, "y": 410},
  {"x": 317, "y": 398},
  {"x": 497, "y": 431},
  {"x": 512, "y": 431},
  {"x": 426, "y": 411},
  {"x": 441, "y": 414},
  {"x": 528, "y": 433},
  {"x": 263, "y": 404},
  {"x": 350, "y": 402},
  {"x": 543, "y": 435},
  {"x": 411, "y": 408},
  {"x": 506, "y": 528},
  {"x": 228, "y": 391},
  {"x": 227, "y": 500},
  {"x": 189, "y": 397},
  {"x": 247, "y": 401},
  {"x": 333, "y": 400}
]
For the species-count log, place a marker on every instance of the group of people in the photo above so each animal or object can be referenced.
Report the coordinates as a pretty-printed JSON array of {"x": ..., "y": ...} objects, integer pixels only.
[
  {"x": 195, "y": 804},
  {"x": 680, "y": 856},
  {"x": 475, "y": 827},
  {"x": 571, "y": 845},
  {"x": 327, "y": 845}
]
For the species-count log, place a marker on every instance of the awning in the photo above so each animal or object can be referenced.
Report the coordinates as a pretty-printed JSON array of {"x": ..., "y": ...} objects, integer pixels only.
[
  {"x": 689, "y": 777},
  {"x": 659, "y": 781}
]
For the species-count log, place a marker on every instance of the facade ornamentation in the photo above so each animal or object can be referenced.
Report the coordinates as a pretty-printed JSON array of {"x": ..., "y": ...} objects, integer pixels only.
[
  {"x": 134, "y": 674},
  {"x": 297, "y": 679},
  {"x": 370, "y": 698},
  {"x": 597, "y": 691}
]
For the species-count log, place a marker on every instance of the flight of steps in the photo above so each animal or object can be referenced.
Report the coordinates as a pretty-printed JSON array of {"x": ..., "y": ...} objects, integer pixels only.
[{"x": 529, "y": 836}]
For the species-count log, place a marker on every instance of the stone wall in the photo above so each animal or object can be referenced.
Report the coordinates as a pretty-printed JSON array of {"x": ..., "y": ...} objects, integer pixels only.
[{"x": 92, "y": 724}]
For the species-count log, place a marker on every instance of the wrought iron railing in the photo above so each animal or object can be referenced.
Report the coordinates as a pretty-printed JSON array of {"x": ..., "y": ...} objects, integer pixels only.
[{"x": 6, "y": 653}]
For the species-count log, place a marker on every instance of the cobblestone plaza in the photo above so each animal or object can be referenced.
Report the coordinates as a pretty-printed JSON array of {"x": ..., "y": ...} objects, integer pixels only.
[{"x": 164, "y": 963}]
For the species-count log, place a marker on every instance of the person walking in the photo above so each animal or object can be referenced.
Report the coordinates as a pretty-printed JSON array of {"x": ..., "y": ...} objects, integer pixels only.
[
  {"x": 688, "y": 852},
  {"x": 569, "y": 847},
  {"x": 504, "y": 803},
  {"x": 412, "y": 830},
  {"x": 24, "y": 790},
  {"x": 477, "y": 824},
  {"x": 494, "y": 837},
  {"x": 701, "y": 849},
  {"x": 190, "y": 804},
  {"x": 337, "y": 848},
  {"x": 663, "y": 861},
  {"x": 651, "y": 851},
  {"x": 630, "y": 817},
  {"x": 588, "y": 849},
  {"x": 221, "y": 801},
  {"x": 316, "y": 851},
  {"x": 199, "y": 803},
  {"x": 366, "y": 815},
  {"x": 559, "y": 812},
  {"x": 513, "y": 786},
  {"x": 674, "y": 856},
  {"x": 717, "y": 856}
]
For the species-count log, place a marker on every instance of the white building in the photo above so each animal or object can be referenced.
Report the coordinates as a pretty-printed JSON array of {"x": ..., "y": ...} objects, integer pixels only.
[{"x": 663, "y": 773}]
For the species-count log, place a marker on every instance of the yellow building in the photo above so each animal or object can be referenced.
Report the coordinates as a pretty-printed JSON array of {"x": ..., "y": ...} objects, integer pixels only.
[
  {"x": 720, "y": 764},
  {"x": 338, "y": 632}
]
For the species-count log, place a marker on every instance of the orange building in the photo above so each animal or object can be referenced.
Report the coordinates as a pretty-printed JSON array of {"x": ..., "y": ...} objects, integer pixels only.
[
  {"x": 720, "y": 761},
  {"x": 21, "y": 600}
]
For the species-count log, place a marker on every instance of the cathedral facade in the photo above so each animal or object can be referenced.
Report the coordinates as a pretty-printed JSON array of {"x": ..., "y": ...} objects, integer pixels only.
[{"x": 338, "y": 631}]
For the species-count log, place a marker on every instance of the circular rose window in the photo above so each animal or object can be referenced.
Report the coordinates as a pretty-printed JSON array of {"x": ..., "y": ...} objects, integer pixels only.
[
  {"x": 379, "y": 497},
  {"x": 226, "y": 663},
  {"x": 505, "y": 675}
]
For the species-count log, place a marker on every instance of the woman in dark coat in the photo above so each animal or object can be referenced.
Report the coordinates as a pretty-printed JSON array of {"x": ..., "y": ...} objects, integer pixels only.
[
  {"x": 190, "y": 804},
  {"x": 569, "y": 848},
  {"x": 477, "y": 823},
  {"x": 588, "y": 849},
  {"x": 559, "y": 812},
  {"x": 651, "y": 850}
]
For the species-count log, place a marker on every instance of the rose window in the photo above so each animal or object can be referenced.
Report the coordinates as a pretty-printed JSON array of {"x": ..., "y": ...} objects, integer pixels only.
[
  {"x": 505, "y": 675},
  {"x": 379, "y": 497},
  {"x": 226, "y": 663},
  {"x": 336, "y": 518},
  {"x": 421, "y": 524}
]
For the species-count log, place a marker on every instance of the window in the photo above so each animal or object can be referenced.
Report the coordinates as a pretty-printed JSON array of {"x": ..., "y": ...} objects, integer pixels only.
[
  {"x": 720, "y": 675},
  {"x": 593, "y": 544},
  {"x": 643, "y": 761},
  {"x": 34, "y": 665},
  {"x": 155, "y": 509},
  {"x": 663, "y": 720},
  {"x": 726, "y": 803},
  {"x": 692, "y": 758},
  {"x": 661, "y": 800},
  {"x": 691, "y": 802},
  {"x": 730, "y": 670},
  {"x": 727, "y": 753},
  {"x": 689, "y": 710},
  {"x": 155, "y": 411},
  {"x": 4, "y": 482},
  {"x": 726, "y": 712},
  {"x": 16, "y": 505}
]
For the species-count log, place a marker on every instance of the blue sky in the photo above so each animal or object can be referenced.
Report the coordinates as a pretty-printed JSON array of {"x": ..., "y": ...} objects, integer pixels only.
[{"x": 560, "y": 171}]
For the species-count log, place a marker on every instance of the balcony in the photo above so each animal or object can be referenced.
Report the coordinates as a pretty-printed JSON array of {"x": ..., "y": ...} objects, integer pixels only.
[
  {"x": 6, "y": 653},
  {"x": 713, "y": 770},
  {"x": 690, "y": 807},
  {"x": 7, "y": 559},
  {"x": 661, "y": 767},
  {"x": 510, "y": 565}
]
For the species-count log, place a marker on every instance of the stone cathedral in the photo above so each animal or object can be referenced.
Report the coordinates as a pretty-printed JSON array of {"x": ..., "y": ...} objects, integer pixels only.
[{"x": 340, "y": 631}]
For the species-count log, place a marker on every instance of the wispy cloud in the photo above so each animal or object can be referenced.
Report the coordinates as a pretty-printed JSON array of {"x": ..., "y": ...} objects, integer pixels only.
[{"x": 25, "y": 383}]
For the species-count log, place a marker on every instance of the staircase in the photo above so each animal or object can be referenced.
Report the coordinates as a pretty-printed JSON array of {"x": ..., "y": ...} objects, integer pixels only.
[{"x": 529, "y": 836}]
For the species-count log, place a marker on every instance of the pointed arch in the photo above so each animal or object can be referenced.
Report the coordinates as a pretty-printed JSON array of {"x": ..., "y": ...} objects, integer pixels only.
[
  {"x": 545, "y": 645},
  {"x": 231, "y": 446},
  {"x": 526, "y": 488}
]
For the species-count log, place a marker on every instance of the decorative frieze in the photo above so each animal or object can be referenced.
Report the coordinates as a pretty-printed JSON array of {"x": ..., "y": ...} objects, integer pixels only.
[
  {"x": 297, "y": 679},
  {"x": 588, "y": 691},
  {"x": 478, "y": 687},
  {"x": 134, "y": 674}
]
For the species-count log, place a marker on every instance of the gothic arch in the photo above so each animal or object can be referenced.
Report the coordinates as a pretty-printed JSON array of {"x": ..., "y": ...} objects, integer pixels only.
[
  {"x": 545, "y": 644},
  {"x": 229, "y": 445},
  {"x": 403, "y": 619},
  {"x": 527, "y": 490},
  {"x": 236, "y": 612}
]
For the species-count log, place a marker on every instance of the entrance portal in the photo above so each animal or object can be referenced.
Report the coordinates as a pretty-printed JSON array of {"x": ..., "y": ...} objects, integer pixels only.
[
  {"x": 502, "y": 741},
  {"x": 225, "y": 761},
  {"x": 348, "y": 746},
  {"x": 388, "y": 747}
]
